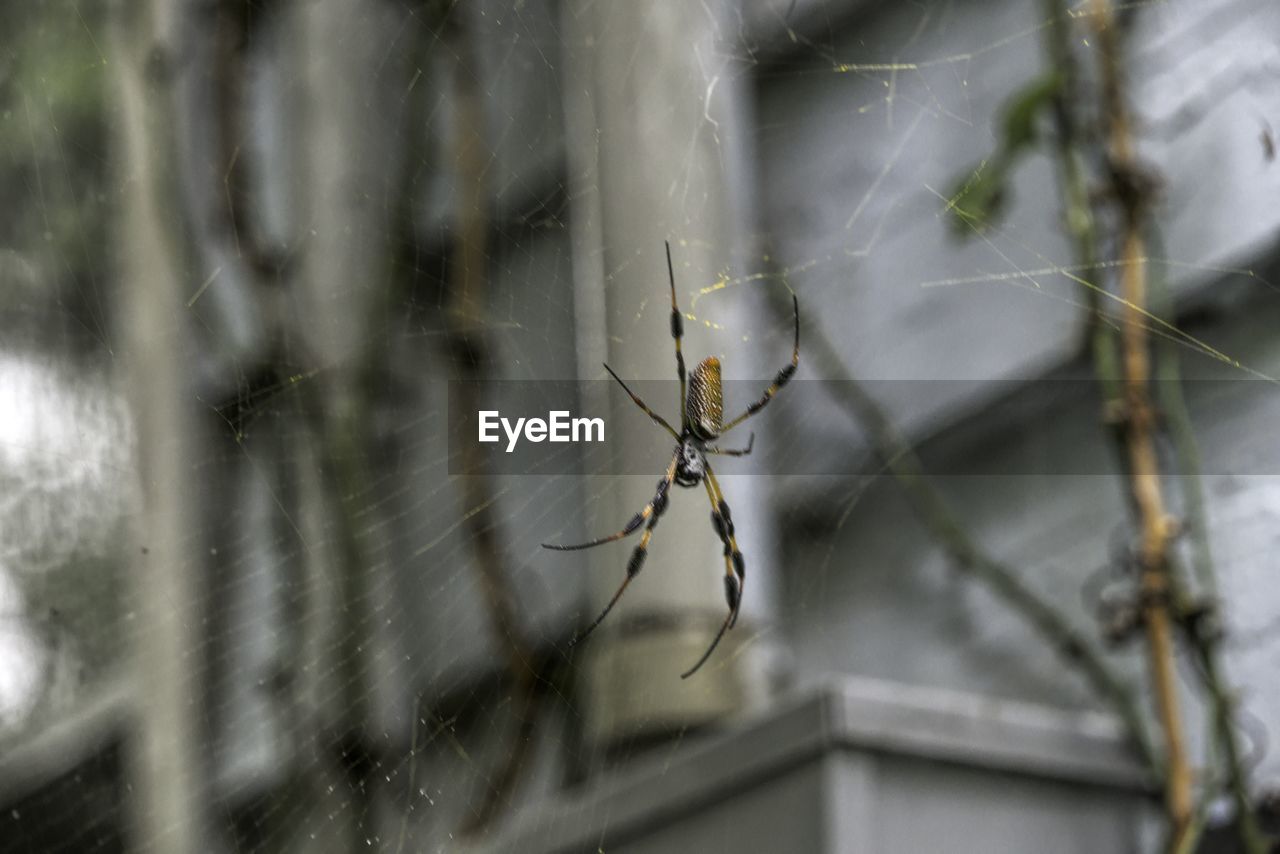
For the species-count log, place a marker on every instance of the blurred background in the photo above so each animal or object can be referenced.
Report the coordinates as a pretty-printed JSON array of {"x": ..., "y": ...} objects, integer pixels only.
[{"x": 252, "y": 598}]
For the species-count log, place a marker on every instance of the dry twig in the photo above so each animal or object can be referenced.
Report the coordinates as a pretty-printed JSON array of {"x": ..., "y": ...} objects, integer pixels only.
[
  {"x": 1081, "y": 226},
  {"x": 1131, "y": 191}
]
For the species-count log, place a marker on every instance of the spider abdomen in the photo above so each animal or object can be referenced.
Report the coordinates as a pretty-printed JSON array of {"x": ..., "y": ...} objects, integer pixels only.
[{"x": 705, "y": 405}]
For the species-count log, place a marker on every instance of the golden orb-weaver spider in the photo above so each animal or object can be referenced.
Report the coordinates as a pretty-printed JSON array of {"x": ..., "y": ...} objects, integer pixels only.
[{"x": 701, "y": 408}]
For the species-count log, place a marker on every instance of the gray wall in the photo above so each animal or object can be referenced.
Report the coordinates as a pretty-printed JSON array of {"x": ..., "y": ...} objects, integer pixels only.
[{"x": 852, "y": 165}]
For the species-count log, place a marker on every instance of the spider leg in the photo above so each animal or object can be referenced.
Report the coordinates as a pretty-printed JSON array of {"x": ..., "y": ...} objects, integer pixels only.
[
  {"x": 741, "y": 452},
  {"x": 779, "y": 381},
  {"x": 653, "y": 511},
  {"x": 640, "y": 403},
  {"x": 731, "y": 552},
  {"x": 677, "y": 332},
  {"x": 734, "y": 566}
]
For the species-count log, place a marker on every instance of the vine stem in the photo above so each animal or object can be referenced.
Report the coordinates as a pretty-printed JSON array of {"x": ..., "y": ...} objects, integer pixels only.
[
  {"x": 1129, "y": 188},
  {"x": 1082, "y": 228},
  {"x": 1205, "y": 643}
]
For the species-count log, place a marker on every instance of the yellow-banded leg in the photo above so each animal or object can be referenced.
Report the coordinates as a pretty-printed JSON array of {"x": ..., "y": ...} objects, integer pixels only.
[
  {"x": 677, "y": 332},
  {"x": 652, "y": 512},
  {"x": 722, "y": 521},
  {"x": 784, "y": 376},
  {"x": 739, "y": 452},
  {"x": 734, "y": 565},
  {"x": 653, "y": 509},
  {"x": 640, "y": 403}
]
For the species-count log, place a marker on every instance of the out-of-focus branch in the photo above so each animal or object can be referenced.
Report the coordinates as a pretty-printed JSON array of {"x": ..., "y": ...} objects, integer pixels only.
[
  {"x": 1177, "y": 418},
  {"x": 1205, "y": 646},
  {"x": 1202, "y": 627},
  {"x": 1077, "y": 213},
  {"x": 338, "y": 413},
  {"x": 236, "y": 25},
  {"x": 1131, "y": 192},
  {"x": 468, "y": 302},
  {"x": 338, "y": 311},
  {"x": 979, "y": 199},
  {"x": 1076, "y": 649},
  {"x": 169, "y": 813}
]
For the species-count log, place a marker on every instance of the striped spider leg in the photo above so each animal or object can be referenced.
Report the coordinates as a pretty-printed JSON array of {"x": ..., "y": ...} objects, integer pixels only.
[
  {"x": 701, "y": 423},
  {"x": 651, "y": 512}
]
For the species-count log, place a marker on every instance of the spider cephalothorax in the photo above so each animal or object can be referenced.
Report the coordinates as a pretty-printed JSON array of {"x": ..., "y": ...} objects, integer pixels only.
[
  {"x": 701, "y": 411},
  {"x": 691, "y": 466}
]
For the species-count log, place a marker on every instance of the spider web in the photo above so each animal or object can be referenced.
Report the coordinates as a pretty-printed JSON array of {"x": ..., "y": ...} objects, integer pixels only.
[{"x": 861, "y": 124}]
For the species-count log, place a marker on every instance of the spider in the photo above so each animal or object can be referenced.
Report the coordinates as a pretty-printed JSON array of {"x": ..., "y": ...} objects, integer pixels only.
[{"x": 701, "y": 408}]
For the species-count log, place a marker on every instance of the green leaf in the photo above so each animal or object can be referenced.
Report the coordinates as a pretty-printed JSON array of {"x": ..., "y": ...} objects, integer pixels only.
[
  {"x": 1021, "y": 112},
  {"x": 979, "y": 197}
]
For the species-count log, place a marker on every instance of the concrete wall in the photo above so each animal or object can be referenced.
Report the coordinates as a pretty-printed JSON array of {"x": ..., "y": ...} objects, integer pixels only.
[{"x": 859, "y": 765}]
